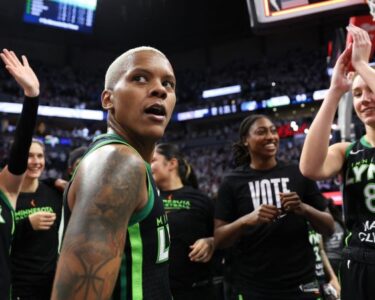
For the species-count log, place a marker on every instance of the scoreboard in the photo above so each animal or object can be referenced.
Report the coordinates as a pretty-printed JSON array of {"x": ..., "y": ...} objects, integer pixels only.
[
  {"x": 76, "y": 15},
  {"x": 266, "y": 13}
]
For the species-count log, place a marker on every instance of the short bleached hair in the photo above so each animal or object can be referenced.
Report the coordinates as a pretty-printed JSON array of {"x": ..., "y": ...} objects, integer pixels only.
[{"x": 119, "y": 66}]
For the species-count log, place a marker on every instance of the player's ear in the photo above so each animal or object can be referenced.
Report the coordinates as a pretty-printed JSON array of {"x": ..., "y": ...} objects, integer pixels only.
[
  {"x": 173, "y": 163},
  {"x": 107, "y": 100}
]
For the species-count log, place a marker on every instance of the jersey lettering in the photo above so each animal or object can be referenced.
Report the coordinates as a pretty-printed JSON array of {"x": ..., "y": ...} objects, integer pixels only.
[
  {"x": 25, "y": 213},
  {"x": 361, "y": 171},
  {"x": 368, "y": 233},
  {"x": 267, "y": 191},
  {"x": 314, "y": 239},
  {"x": 2, "y": 221},
  {"x": 163, "y": 243}
]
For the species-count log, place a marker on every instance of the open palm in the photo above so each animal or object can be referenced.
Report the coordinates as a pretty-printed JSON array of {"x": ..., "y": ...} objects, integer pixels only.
[{"x": 21, "y": 72}]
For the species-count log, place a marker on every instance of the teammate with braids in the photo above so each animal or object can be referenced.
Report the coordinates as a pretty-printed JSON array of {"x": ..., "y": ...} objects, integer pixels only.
[
  {"x": 116, "y": 243},
  {"x": 190, "y": 217},
  {"x": 11, "y": 176},
  {"x": 355, "y": 161},
  {"x": 263, "y": 211}
]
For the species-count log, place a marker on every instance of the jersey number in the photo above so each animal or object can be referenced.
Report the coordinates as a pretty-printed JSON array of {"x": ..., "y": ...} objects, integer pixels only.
[
  {"x": 369, "y": 193},
  {"x": 163, "y": 244}
]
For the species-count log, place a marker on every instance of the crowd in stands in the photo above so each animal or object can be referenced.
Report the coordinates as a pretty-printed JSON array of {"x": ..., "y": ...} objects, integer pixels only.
[
  {"x": 304, "y": 71},
  {"x": 68, "y": 87},
  {"x": 209, "y": 148}
]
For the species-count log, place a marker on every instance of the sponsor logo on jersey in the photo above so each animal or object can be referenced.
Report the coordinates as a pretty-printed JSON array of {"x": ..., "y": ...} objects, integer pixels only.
[
  {"x": 354, "y": 152},
  {"x": 368, "y": 233},
  {"x": 176, "y": 204},
  {"x": 24, "y": 213}
]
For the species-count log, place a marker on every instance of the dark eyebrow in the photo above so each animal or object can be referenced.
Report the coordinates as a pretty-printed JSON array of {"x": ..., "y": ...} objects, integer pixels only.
[
  {"x": 168, "y": 76},
  {"x": 264, "y": 127},
  {"x": 140, "y": 70}
]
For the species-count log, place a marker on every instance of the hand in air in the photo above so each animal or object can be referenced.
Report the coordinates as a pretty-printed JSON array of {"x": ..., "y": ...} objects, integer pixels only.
[
  {"x": 341, "y": 79},
  {"x": 361, "y": 48},
  {"x": 21, "y": 72}
]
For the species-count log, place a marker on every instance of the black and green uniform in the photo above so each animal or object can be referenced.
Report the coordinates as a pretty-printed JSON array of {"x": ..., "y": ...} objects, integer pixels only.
[
  {"x": 358, "y": 268},
  {"x": 7, "y": 226},
  {"x": 144, "y": 268}
]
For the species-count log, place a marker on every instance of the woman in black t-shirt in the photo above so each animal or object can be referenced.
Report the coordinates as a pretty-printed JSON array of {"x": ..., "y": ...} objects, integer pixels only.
[
  {"x": 190, "y": 217},
  {"x": 262, "y": 211},
  {"x": 35, "y": 244},
  {"x": 12, "y": 175}
]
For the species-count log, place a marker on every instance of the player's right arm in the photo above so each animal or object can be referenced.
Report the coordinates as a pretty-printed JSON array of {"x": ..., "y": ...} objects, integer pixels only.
[
  {"x": 109, "y": 186},
  {"x": 318, "y": 160}
]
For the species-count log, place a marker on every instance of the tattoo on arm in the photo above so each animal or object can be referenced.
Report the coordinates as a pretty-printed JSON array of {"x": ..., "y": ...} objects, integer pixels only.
[{"x": 94, "y": 242}]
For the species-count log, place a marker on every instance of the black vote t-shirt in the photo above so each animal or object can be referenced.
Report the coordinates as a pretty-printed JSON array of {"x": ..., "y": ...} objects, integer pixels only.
[
  {"x": 190, "y": 217},
  {"x": 277, "y": 254}
]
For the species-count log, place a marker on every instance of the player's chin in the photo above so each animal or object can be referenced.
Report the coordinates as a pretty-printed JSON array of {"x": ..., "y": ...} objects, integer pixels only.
[
  {"x": 33, "y": 174},
  {"x": 155, "y": 133},
  {"x": 369, "y": 121}
]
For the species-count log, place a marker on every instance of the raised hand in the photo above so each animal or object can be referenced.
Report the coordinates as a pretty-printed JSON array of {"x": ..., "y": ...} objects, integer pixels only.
[
  {"x": 21, "y": 72},
  {"x": 361, "y": 45},
  {"x": 341, "y": 80}
]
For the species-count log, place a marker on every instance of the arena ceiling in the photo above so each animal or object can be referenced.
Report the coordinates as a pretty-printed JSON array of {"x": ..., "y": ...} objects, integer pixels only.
[
  {"x": 171, "y": 23},
  {"x": 168, "y": 24}
]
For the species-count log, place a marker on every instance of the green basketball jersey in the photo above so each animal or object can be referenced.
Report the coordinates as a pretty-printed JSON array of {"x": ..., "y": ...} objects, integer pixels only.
[{"x": 144, "y": 268}]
